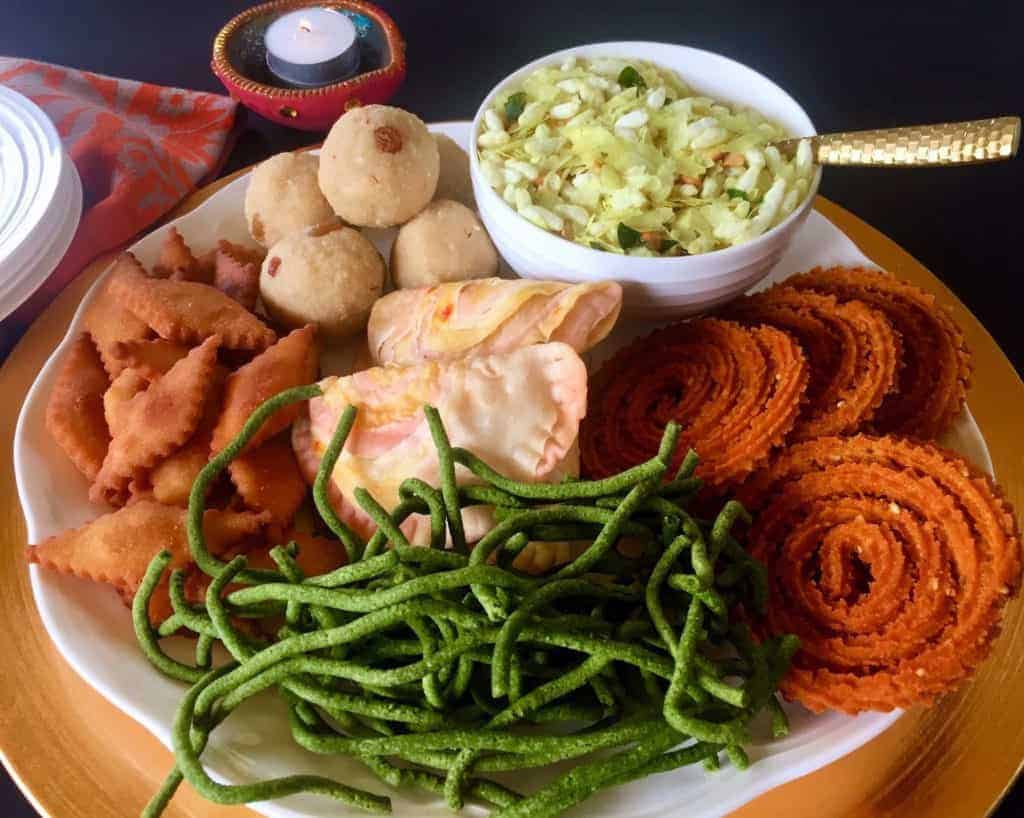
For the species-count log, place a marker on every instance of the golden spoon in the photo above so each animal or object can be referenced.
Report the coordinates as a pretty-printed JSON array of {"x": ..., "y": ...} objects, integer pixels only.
[{"x": 949, "y": 143}]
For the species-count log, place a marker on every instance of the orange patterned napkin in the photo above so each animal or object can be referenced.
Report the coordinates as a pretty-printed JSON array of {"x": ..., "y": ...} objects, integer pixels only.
[{"x": 139, "y": 149}]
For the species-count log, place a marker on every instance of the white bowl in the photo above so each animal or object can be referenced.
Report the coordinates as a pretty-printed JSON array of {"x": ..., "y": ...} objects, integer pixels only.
[{"x": 653, "y": 287}]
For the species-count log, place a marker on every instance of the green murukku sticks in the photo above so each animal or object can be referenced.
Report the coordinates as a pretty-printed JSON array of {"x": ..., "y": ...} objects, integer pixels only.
[{"x": 434, "y": 668}]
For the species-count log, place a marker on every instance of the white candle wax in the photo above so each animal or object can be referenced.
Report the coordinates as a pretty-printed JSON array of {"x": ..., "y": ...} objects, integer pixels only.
[{"x": 310, "y": 36}]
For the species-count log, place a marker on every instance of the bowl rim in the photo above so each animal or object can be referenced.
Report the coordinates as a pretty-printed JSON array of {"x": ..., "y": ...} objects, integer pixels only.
[{"x": 742, "y": 253}]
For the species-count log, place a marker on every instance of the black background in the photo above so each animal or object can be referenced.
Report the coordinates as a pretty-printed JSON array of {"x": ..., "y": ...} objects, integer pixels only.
[{"x": 851, "y": 65}]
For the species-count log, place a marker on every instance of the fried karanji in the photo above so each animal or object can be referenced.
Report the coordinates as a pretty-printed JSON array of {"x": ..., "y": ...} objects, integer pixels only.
[
  {"x": 176, "y": 260},
  {"x": 157, "y": 421},
  {"x": 138, "y": 397},
  {"x": 170, "y": 481},
  {"x": 891, "y": 560},
  {"x": 150, "y": 358},
  {"x": 122, "y": 389},
  {"x": 268, "y": 479},
  {"x": 292, "y": 361},
  {"x": 186, "y": 311},
  {"x": 315, "y": 555},
  {"x": 481, "y": 401},
  {"x": 237, "y": 274},
  {"x": 116, "y": 548},
  {"x": 488, "y": 315},
  {"x": 109, "y": 322},
  {"x": 735, "y": 390},
  {"x": 75, "y": 412}
]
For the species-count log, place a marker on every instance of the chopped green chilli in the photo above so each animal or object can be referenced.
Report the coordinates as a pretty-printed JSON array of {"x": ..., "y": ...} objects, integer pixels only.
[{"x": 435, "y": 668}]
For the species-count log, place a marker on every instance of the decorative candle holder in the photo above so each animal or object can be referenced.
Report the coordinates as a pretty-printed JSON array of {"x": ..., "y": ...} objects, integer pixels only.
[
  {"x": 240, "y": 62},
  {"x": 310, "y": 48}
]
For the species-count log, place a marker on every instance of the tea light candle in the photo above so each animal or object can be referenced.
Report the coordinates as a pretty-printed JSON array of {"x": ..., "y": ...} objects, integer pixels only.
[{"x": 312, "y": 46}]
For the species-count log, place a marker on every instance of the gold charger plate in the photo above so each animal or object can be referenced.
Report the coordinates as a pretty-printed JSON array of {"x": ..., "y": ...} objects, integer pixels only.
[{"x": 76, "y": 756}]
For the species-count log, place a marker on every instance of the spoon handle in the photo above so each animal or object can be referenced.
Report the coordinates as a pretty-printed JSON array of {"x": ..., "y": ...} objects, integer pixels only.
[{"x": 948, "y": 143}]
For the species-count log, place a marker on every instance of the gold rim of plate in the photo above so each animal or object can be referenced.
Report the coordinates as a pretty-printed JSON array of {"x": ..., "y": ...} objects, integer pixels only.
[{"x": 76, "y": 756}]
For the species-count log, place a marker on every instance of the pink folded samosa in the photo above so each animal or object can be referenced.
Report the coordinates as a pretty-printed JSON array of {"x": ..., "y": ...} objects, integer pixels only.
[
  {"x": 519, "y": 411},
  {"x": 489, "y": 315}
]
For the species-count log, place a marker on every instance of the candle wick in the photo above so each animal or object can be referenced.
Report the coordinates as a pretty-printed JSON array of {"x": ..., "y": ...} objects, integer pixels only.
[{"x": 305, "y": 25}]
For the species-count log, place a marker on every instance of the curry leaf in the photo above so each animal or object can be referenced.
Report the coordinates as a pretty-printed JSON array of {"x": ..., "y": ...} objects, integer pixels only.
[
  {"x": 628, "y": 237},
  {"x": 514, "y": 106},
  {"x": 629, "y": 77}
]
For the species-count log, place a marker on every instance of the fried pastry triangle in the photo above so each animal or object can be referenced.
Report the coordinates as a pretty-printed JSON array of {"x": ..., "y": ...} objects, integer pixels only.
[
  {"x": 188, "y": 312},
  {"x": 156, "y": 422},
  {"x": 74, "y": 413},
  {"x": 292, "y": 361}
]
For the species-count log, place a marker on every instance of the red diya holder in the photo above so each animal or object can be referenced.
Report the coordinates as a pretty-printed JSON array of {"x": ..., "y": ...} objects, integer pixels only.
[{"x": 240, "y": 62}]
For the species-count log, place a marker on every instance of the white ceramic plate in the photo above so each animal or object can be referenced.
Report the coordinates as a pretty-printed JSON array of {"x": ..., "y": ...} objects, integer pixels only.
[
  {"x": 40, "y": 199},
  {"x": 55, "y": 233},
  {"x": 91, "y": 627},
  {"x": 30, "y": 165}
]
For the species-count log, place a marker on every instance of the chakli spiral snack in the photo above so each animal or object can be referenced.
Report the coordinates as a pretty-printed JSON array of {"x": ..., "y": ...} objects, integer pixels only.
[
  {"x": 932, "y": 381},
  {"x": 735, "y": 390},
  {"x": 852, "y": 352},
  {"x": 891, "y": 560}
]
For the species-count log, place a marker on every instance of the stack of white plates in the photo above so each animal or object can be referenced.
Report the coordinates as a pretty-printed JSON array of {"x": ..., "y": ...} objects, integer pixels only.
[{"x": 40, "y": 199}]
